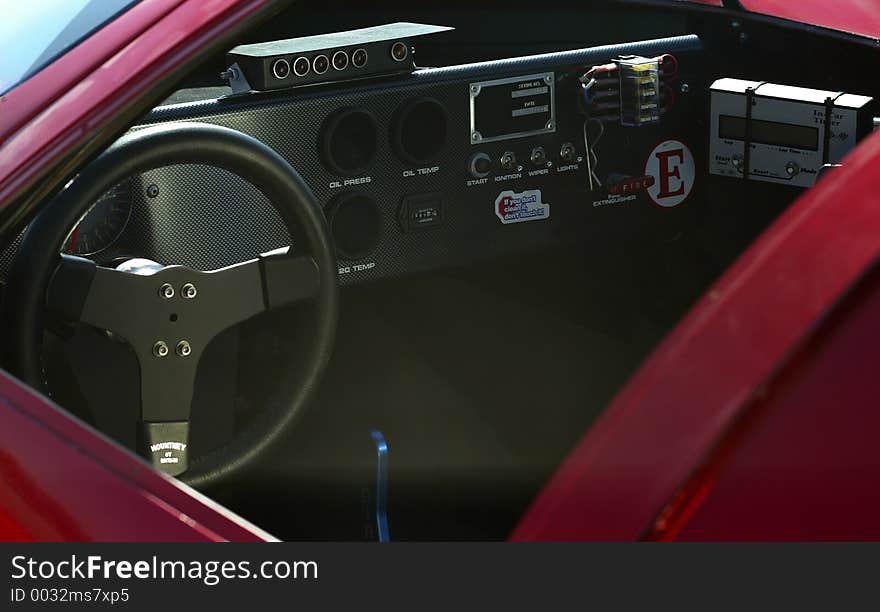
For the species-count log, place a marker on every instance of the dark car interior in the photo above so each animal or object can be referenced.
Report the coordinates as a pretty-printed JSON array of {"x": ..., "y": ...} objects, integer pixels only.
[{"x": 516, "y": 224}]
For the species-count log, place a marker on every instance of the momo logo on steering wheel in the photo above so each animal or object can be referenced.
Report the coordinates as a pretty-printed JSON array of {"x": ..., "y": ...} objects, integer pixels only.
[{"x": 671, "y": 165}]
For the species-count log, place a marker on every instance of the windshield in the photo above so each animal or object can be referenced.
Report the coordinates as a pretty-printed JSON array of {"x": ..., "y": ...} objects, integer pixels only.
[{"x": 34, "y": 33}]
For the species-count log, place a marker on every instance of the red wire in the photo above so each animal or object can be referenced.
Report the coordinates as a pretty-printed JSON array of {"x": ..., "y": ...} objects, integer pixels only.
[
  {"x": 670, "y": 59},
  {"x": 600, "y": 69}
]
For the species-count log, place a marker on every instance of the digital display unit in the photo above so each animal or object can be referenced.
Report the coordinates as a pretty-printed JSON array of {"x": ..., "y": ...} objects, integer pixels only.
[
  {"x": 793, "y": 132},
  {"x": 769, "y": 132}
]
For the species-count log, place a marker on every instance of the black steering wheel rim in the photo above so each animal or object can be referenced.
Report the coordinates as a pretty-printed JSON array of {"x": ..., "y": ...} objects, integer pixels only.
[{"x": 144, "y": 150}]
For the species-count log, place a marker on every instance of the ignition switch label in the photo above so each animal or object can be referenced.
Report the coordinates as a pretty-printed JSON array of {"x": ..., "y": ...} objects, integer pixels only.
[{"x": 512, "y": 207}]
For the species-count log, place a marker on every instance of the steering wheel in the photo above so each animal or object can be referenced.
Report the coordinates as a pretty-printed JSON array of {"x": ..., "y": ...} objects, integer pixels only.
[{"x": 169, "y": 314}]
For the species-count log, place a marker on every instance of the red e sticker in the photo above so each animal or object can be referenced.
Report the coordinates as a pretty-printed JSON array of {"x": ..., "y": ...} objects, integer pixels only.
[{"x": 671, "y": 163}]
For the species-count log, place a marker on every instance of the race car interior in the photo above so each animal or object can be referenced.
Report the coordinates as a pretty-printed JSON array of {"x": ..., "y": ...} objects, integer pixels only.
[{"x": 518, "y": 205}]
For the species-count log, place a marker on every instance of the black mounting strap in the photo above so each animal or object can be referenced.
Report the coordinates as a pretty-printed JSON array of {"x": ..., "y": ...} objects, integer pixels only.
[
  {"x": 829, "y": 117},
  {"x": 747, "y": 137}
]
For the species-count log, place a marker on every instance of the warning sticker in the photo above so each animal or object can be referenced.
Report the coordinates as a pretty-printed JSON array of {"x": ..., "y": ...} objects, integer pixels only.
[
  {"x": 512, "y": 207},
  {"x": 671, "y": 165}
]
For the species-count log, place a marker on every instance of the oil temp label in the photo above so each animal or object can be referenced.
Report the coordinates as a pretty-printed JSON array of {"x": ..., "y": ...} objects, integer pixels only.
[
  {"x": 512, "y": 207},
  {"x": 420, "y": 172}
]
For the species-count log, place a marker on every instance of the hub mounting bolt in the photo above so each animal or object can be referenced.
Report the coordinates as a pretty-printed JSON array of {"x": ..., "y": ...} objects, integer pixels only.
[
  {"x": 160, "y": 349},
  {"x": 184, "y": 349}
]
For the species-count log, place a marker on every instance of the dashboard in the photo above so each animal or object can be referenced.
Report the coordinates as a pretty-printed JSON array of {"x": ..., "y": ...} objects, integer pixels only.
[
  {"x": 419, "y": 169},
  {"x": 433, "y": 168}
]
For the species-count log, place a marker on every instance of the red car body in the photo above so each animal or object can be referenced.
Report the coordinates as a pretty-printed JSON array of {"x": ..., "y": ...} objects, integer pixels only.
[
  {"x": 856, "y": 16},
  {"x": 754, "y": 420}
]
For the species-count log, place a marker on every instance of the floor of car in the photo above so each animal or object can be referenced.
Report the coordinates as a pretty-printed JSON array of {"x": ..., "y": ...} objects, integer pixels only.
[{"x": 481, "y": 381}]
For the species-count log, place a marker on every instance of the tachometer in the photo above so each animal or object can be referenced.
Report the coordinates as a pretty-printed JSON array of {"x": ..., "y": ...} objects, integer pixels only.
[{"x": 103, "y": 224}]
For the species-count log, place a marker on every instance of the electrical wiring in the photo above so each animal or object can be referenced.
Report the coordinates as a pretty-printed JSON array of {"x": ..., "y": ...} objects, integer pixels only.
[
  {"x": 592, "y": 158},
  {"x": 668, "y": 59},
  {"x": 600, "y": 84},
  {"x": 600, "y": 103}
]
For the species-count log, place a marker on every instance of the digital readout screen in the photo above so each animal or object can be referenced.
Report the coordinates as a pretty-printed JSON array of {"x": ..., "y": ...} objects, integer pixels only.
[{"x": 769, "y": 132}]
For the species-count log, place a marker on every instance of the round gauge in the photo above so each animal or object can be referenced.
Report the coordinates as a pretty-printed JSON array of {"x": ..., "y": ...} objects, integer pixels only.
[{"x": 102, "y": 225}]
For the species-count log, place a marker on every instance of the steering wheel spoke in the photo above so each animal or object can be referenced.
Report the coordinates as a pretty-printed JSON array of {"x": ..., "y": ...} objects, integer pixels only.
[
  {"x": 167, "y": 386},
  {"x": 287, "y": 278},
  {"x": 80, "y": 291},
  {"x": 166, "y": 445}
]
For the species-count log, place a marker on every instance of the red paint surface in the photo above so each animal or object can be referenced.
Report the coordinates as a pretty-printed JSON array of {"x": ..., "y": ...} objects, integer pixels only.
[
  {"x": 860, "y": 17},
  {"x": 856, "y": 16},
  {"x": 803, "y": 463},
  {"x": 682, "y": 401},
  {"x": 61, "y": 481},
  {"x": 10, "y": 530}
]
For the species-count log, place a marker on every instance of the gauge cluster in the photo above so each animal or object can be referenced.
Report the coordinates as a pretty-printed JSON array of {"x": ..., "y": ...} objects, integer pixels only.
[{"x": 101, "y": 227}]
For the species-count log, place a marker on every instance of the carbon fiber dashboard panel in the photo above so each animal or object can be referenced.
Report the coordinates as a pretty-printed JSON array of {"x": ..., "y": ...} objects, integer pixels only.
[{"x": 207, "y": 218}]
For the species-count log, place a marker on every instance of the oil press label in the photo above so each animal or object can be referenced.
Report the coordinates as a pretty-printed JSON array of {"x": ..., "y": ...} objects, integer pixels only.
[{"x": 512, "y": 207}]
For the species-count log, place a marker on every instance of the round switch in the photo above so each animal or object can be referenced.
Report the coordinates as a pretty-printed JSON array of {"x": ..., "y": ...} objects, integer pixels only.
[
  {"x": 480, "y": 165},
  {"x": 792, "y": 169}
]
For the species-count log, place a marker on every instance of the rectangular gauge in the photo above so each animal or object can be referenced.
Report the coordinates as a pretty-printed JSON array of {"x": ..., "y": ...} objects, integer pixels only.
[{"x": 512, "y": 108}]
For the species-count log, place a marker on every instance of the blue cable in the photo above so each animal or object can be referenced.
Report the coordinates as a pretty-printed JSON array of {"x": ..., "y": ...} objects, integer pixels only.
[{"x": 381, "y": 485}]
